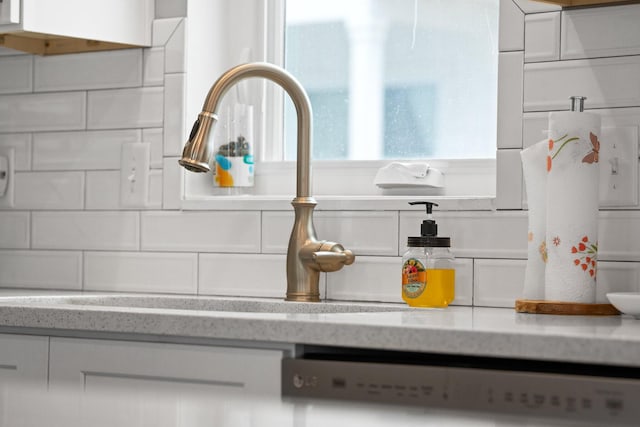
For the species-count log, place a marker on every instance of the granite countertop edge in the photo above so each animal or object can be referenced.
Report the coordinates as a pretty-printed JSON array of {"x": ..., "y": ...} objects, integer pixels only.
[{"x": 476, "y": 331}]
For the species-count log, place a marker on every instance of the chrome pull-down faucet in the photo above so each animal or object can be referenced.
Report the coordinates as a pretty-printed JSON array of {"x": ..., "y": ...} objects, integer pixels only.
[{"x": 306, "y": 255}]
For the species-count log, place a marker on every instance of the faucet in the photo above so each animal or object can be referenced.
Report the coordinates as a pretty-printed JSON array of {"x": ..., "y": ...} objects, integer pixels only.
[{"x": 306, "y": 255}]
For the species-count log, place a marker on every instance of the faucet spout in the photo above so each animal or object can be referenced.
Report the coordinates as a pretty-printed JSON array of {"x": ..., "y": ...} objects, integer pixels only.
[{"x": 306, "y": 255}]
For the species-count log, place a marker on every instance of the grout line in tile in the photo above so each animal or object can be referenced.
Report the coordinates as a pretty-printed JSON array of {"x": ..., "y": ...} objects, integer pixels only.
[
  {"x": 82, "y": 270},
  {"x": 197, "y": 273}
]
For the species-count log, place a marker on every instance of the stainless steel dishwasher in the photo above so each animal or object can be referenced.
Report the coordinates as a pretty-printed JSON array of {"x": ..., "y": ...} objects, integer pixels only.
[{"x": 521, "y": 390}]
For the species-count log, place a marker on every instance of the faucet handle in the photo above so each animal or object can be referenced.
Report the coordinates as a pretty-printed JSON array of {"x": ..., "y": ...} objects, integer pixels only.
[{"x": 332, "y": 257}]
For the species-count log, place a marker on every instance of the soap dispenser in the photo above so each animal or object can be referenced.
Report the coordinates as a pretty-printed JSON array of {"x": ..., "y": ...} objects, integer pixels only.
[{"x": 428, "y": 274}]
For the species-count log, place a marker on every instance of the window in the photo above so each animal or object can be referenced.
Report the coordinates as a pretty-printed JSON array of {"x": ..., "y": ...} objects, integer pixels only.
[
  {"x": 395, "y": 79},
  {"x": 431, "y": 97}
]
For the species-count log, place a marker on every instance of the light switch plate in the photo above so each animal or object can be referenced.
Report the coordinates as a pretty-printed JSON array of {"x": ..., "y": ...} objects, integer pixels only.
[
  {"x": 619, "y": 166},
  {"x": 7, "y": 199},
  {"x": 134, "y": 174}
]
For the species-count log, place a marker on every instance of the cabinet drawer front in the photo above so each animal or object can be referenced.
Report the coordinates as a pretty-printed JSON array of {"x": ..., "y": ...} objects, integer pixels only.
[{"x": 88, "y": 363}]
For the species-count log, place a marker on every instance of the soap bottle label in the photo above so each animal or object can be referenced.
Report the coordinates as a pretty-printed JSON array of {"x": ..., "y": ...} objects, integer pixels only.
[{"x": 414, "y": 278}]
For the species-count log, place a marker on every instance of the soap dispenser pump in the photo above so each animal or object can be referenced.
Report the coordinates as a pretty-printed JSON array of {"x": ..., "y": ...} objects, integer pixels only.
[{"x": 428, "y": 273}]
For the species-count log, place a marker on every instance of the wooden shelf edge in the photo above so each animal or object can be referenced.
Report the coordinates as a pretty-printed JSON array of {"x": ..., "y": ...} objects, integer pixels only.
[
  {"x": 46, "y": 44},
  {"x": 564, "y": 308}
]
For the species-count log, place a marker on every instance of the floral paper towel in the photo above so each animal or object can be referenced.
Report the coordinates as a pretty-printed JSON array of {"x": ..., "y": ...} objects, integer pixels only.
[
  {"x": 572, "y": 165},
  {"x": 535, "y": 179}
]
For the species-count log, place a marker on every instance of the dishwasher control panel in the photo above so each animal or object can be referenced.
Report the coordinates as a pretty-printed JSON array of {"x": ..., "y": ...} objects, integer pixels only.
[{"x": 610, "y": 401}]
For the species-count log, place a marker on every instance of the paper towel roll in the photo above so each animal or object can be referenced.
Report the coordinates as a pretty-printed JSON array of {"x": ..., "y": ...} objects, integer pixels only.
[
  {"x": 535, "y": 178},
  {"x": 572, "y": 207}
]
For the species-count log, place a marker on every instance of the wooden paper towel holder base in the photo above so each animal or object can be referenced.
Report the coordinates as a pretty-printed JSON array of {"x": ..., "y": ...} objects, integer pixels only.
[{"x": 565, "y": 308}]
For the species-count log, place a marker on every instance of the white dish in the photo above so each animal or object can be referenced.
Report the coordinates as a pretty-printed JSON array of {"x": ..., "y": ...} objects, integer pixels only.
[{"x": 626, "y": 302}]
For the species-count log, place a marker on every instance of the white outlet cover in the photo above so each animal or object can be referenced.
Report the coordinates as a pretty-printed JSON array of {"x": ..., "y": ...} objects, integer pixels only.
[
  {"x": 619, "y": 151},
  {"x": 7, "y": 200}
]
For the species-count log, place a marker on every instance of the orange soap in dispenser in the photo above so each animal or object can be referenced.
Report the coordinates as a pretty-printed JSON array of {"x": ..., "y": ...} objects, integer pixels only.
[{"x": 428, "y": 274}]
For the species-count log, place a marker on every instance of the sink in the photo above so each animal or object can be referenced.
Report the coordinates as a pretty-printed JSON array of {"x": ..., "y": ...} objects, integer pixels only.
[{"x": 211, "y": 304}]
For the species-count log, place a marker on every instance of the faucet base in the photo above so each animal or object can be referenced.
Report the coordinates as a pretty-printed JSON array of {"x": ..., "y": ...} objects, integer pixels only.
[{"x": 301, "y": 297}]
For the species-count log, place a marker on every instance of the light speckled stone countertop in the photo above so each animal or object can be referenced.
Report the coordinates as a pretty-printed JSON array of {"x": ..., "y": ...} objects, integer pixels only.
[{"x": 495, "y": 332}]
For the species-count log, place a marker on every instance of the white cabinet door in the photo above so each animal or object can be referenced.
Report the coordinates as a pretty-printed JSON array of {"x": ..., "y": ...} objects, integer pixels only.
[
  {"x": 23, "y": 374},
  {"x": 140, "y": 383},
  {"x": 23, "y": 359}
]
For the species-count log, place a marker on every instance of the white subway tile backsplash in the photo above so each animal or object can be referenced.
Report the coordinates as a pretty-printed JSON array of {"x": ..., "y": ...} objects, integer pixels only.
[
  {"x": 464, "y": 282},
  {"x": 606, "y": 82},
  {"x": 87, "y": 150},
  {"x": 175, "y": 55},
  {"x": 21, "y": 143},
  {"x": 542, "y": 37},
  {"x": 90, "y": 70},
  {"x": 170, "y": 8},
  {"x": 175, "y": 133},
  {"x": 510, "y": 66},
  {"x": 42, "y": 112},
  {"x": 474, "y": 234},
  {"x": 242, "y": 275},
  {"x": 367, "y": 279},
  {"x": 153, "y": 71},
  {"x": 172, "y": 175},
  {"x": 163, "y": 29},
  {"x": 616, "y": 277},
  {"x": 276, "y": 229},
  {"x": 509, "y": 182},
  {"x": 154, "y": 137},
  {"x": 155, "y": 189},
  {"x": 102, "y": 230},
  {"x": 535, "y": 128},
  {"x": 141, "y": 272},
  {"x": 125, "y": 108},
  {"x": 41, "y": 269},
  {"x": 14, "y": 230},
  {"x": 216, "y": 231},
  {"x": 619, "y": 236},
  {"x": 5, "y": 51},
  {"x": 49, "y": 190},
  {"x": 600, "y": 32},
  {"x": 498, "y": 282},
  {"x": 362, "y": 232},
  {"x": 511, "y": 34},
  {"x": 103, "y": 190},
  {"x": 17, "y": 74},
  {"x": 535, "y": 6}
]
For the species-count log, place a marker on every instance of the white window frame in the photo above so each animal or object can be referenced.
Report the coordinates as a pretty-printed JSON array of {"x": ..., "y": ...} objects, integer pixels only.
[{"x": 470, "y": 183}]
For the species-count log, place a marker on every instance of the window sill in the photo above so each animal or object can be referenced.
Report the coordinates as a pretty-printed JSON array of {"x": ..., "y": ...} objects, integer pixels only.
[
  {"x": 470, "y": 185},
  {"x": 337, "y": 203}
]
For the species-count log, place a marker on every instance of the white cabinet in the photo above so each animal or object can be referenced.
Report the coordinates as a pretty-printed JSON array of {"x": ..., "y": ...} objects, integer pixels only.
[
  {"x": 63, "y": 26},
  {"x": 23, "y": 359},
  {"x": 171, "y": 384}
]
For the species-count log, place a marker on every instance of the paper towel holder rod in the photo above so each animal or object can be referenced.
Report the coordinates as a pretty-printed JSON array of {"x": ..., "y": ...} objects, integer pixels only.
[{"x": 577, "y": 103}]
